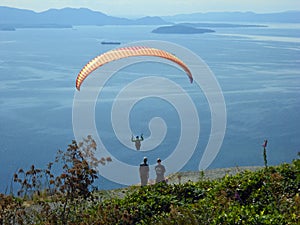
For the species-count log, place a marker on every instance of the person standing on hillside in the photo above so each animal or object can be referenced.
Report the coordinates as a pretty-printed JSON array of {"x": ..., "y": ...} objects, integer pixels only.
[
  {"x": 160, "y": 171},
  {"x": 144, "y": 172}
]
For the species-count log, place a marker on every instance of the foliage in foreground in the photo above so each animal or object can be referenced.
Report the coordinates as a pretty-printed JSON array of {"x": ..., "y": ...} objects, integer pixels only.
[
  {"x": 267, "y": 196},
  {"x": 77, "y": 168}
]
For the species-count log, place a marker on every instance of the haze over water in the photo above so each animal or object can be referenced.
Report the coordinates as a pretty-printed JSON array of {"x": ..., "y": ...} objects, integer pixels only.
[{"x": 257, "y": 69}]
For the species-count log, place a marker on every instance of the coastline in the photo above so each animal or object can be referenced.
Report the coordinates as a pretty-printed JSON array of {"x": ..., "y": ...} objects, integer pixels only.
[{"x": 211, "y": 174}]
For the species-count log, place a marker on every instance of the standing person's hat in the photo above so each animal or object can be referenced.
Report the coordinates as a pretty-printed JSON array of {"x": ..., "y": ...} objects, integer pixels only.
[{"x": 158, "y": 160}]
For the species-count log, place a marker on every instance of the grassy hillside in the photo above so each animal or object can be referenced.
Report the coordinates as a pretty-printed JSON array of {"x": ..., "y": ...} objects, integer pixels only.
[{"x": 264, "y": 196}]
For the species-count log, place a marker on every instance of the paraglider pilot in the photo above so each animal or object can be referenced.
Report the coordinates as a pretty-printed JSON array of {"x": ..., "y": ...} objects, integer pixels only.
[{"x": 137, "y": 141}]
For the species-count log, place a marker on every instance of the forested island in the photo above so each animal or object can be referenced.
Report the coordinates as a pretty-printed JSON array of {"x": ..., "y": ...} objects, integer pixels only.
[{"x": 181, "y": 29}]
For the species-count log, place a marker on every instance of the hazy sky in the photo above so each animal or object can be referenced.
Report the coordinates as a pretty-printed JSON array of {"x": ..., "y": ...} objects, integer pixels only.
[{"x": 158, "y": 7}]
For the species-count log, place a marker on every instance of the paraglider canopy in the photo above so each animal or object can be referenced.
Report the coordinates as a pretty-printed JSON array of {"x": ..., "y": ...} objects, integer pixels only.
[{"x": 124, "y": 53}]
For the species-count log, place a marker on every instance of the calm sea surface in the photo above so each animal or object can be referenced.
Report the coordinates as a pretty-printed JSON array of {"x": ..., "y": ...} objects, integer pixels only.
[{"x": 258, "y": 70}]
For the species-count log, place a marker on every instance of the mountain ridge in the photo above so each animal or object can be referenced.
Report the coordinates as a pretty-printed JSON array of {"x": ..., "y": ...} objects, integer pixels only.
[
  {"x": 292, "y": 16},
  {"x": 67, "y": 17}
]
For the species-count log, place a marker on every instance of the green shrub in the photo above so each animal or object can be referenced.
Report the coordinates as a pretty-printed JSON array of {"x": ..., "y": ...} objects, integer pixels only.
[{"x": 267, "y": 196}]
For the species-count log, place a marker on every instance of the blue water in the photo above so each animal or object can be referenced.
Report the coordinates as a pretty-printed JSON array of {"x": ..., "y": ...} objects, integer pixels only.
[{"x": 257, "y": 69}]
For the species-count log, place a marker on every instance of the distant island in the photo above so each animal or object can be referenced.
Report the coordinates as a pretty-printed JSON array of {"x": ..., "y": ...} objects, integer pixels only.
[
  {"x": 13, "y": 27},
  {"x": 181, "y": 29},
  {"x": 7, "y": 28},
  {"x": 221, "y": 25}
]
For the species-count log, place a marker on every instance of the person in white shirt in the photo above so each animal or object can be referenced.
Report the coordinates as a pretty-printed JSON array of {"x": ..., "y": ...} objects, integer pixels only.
[{"x": 160, "y": 171}]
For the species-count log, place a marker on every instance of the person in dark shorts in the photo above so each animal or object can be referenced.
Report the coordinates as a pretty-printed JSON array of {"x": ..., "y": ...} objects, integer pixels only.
[
  {"x": 144, "y": 172},
  {"x": 137, "y": 141}
]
